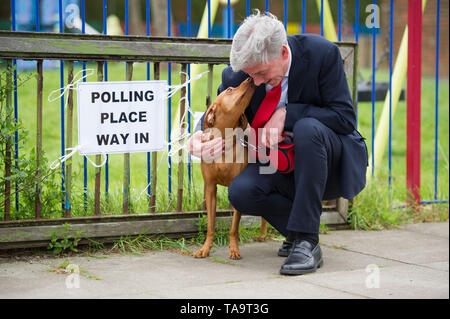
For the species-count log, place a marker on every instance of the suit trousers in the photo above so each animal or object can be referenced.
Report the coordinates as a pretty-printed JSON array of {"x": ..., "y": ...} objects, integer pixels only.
[{"x": 293, "y": 202}]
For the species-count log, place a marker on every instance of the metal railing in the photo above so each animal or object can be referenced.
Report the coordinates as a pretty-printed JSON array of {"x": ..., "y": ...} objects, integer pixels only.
[
  {"x": 131, "y": 49},
  {"x": 156, "y": 50}
]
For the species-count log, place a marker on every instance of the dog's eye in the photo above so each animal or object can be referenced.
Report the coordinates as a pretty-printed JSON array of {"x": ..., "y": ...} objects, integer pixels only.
[{"x": 229, "y": 90}]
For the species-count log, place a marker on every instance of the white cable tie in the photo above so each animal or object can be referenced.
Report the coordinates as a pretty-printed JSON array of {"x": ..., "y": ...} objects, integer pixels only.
[
  {"x": 172, "y": 89},
  {"x": 70, "y": 86},
  {"x": 74, "y": 150},
  {"x": 102, "y": 164},
  {"x": 65, "y": 157},
  {"x": 157, "y": 169}
]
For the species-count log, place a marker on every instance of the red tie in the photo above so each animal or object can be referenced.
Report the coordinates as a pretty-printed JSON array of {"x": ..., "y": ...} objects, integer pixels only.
[
  {"x": 267, "y": 107},
  {"x": 263, "y": 114}
]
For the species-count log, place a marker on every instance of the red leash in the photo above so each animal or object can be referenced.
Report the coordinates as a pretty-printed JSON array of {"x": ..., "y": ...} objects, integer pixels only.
[{"x": 281, "y": 156}]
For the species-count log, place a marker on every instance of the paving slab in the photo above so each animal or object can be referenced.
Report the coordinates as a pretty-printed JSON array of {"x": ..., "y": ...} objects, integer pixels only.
[
  {"x": 405, "y": 281},
  {"x": 420, "y": 244},
  {"x": 434, "y": 229},
  {"x": 410, "y": 262},
  {"x": 263, "y": 256},
  {"x": 271, "y": 288},
  {"x": 122, "y": 274}
]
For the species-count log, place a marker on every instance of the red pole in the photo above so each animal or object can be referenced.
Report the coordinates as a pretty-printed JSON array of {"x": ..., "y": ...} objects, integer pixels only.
[{"x": 413, "y": 101}]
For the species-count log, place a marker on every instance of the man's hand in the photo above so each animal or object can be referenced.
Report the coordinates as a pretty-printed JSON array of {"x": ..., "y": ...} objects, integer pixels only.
[
  {"x": 199, "y": 145},
  {"x": 275, "y": 123}
]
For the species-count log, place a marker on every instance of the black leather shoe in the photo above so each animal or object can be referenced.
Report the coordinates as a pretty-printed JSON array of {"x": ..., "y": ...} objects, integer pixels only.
[
  {"x": 285, "y": 248},
  {"x": 303, "y": 259}
]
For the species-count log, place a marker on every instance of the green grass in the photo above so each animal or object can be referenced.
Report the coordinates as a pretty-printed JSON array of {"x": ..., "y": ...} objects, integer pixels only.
[
  {"x": 365, "y": 206},
  {"x": 378, "y": 207}
]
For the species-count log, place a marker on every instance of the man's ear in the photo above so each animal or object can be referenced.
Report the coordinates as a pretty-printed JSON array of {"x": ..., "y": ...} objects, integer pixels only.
[
  {"x": 285, "y": 51},
  {"x": 210, "y": 116}
]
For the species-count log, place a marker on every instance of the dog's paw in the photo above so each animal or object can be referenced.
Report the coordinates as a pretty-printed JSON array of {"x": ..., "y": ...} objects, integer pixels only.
[
  {"x": 201, "y": 253},
  {"x": 260, "y": 238},
  {"x": 235, "y": 254}
]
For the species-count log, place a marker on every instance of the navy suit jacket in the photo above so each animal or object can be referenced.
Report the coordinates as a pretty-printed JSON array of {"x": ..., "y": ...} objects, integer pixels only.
[{"x": 317, "y": 88}]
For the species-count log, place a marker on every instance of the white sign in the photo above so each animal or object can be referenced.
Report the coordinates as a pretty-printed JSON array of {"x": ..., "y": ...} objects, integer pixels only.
[{"x": 121, "y": 117}]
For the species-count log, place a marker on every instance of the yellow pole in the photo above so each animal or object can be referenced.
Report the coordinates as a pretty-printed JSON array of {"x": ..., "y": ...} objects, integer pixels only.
[
  {"x": 328, "y": 23},
  {"x": 398, "y": 77}
]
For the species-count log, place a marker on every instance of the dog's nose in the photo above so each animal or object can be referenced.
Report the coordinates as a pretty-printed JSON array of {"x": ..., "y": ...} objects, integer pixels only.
[{"x": 250, "y": 79}]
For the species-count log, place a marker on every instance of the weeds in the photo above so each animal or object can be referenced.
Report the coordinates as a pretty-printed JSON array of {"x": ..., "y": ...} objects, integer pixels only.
[
  {"x": 143, "y": 242},
  {"x": 64, "y": 241}
]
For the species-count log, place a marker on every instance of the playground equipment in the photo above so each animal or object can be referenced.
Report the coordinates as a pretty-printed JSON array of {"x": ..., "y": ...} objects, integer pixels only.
[{"x": 398, "y": 78}]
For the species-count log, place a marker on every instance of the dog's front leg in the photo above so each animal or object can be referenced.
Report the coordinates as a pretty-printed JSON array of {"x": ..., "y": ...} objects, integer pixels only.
[
  {"x": 234, "y": 236},
  {"x": 210, "y": 196}
]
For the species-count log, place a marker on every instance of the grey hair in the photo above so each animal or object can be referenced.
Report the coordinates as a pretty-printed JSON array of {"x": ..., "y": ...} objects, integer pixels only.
[{"x": 259, "y": 39}]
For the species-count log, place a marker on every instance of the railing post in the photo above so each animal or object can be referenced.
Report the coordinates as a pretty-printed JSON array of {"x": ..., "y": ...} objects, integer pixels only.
[
  {"x": 208, "y": 103},
  {"x": 98, "y": 158},
  {"x": 39, "y": 139},
  {"x": 8, "y": 145},
  {"x": 355, "y": 81},
  {"x": 69, "y": 135},
  {"x": 154, "y": 156},
  {"x": 436, "y": 102},
  {"x": 126, "y": 160},
  {"x": 210, "y": 83},
  {"x": 180, "y": 152},
  {"x": 413, "y": 101}
]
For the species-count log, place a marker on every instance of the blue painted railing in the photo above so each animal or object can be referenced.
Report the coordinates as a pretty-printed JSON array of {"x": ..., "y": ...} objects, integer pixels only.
[{"x": 230, "y": 29}]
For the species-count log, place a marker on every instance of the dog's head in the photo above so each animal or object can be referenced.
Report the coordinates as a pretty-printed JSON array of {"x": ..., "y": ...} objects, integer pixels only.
[{"x": 229, "y": 106}]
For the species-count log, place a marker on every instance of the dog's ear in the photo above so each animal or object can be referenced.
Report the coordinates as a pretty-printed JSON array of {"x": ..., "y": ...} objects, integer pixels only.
[
  {"x": 243, "y": 122},
  {"x": 210, "y": 116}
]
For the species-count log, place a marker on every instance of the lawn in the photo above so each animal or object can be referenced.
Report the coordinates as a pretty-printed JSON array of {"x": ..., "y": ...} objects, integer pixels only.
[{"x": 194, "y": 190}]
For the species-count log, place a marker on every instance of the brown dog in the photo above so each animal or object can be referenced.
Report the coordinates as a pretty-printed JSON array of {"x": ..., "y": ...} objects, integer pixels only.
[{"x": 227, "y": 111}]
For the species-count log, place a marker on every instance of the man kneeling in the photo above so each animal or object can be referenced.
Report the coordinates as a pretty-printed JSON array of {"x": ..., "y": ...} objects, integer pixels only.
[{"x": 315, "y": 104}]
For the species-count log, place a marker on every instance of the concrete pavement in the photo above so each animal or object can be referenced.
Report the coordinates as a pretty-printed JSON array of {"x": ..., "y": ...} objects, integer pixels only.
[{"x": 409, "y": 262}]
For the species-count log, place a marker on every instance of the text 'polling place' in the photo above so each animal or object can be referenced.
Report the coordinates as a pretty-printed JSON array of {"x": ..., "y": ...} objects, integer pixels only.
[{"x": 122, "y": 117}]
